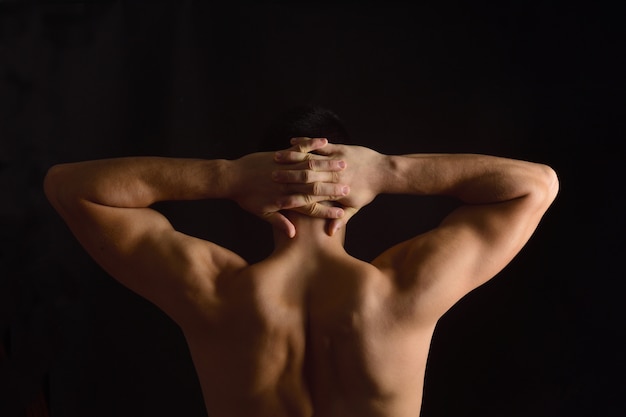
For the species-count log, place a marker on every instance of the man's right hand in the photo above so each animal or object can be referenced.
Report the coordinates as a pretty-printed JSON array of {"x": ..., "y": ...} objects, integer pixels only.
[
  {"x": 365, "y": 174},
  {"x": 254, "y": 190}
]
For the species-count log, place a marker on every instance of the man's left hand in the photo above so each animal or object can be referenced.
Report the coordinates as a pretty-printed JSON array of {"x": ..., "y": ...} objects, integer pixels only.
[{"x": 256, "y": 191}]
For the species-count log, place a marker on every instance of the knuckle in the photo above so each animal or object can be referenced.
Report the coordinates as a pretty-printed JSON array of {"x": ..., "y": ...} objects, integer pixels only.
[
  {"x": 315, "y": 210},
  {"x": 317, "y": 188},
  {"x": 299, "y": 156}
]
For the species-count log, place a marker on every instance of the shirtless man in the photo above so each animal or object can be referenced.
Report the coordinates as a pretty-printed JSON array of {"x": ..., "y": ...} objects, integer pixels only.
[{"x": 310, "y": 330}]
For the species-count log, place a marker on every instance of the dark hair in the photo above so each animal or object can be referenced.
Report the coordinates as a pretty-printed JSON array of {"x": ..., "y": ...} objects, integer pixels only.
[{"x": 311, "y": 121}]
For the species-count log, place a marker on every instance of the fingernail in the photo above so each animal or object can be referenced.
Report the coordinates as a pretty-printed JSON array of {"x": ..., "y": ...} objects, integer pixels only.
[
  {"x": 292, "y": 140},
  {"x": 345, "y": 190},
  {"x": 275, "y": 175},
  {"x": 278, "y": 156},
  {"x": 342, "y": 164},
  {"x": 339, "y": 213}
]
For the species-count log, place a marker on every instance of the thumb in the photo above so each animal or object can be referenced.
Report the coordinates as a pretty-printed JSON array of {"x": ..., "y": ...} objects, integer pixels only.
[
  {"x": 335, "y": 224},
  {"x": 282, "y": 223}
]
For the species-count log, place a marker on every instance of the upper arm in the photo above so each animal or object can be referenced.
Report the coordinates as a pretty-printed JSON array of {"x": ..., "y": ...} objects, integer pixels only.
[
  {"x": 140, "y": 248},
  {"x": 470, "y": 246}
]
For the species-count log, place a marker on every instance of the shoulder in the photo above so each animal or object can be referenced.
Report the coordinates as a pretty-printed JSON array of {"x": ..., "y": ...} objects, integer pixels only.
[{"x": 182, "y": 273}]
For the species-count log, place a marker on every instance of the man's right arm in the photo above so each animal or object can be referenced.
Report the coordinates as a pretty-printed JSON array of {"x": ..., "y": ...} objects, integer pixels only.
[
  {"x": 107, "y": 205},
  {"x": 503, "y": 202}
]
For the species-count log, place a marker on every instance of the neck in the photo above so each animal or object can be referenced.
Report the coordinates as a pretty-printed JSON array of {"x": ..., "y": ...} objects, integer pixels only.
[{"x": 311, "y": 236}]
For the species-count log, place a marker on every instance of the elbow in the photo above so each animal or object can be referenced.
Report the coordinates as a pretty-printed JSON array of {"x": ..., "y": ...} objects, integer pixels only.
[
  {"x": 546, "y": 185},
  {"x": 51, "y": 182},
  {"x": 54, "y": 184},
  {"x": 551, "y": 182}
]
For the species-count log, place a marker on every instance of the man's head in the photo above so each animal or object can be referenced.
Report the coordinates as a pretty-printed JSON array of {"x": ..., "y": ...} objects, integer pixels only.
[
  {"x": 310, "y": 121},
  {"x": 304, "y": 121}
]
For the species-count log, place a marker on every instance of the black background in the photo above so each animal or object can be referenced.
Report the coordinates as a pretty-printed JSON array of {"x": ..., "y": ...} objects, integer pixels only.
[{"x": 540, "y": 81}]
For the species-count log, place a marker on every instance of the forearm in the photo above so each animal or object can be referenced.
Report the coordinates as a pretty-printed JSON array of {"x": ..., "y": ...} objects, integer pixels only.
[
  {"x": 474, "y": 179},
  {"x": 137, "y": 181}
]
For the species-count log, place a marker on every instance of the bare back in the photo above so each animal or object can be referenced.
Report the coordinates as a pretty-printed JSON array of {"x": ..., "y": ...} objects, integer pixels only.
[
  {"x": 368, "y": 349},
  {"x": 310, "y": 330},
  {"x": 337, "y": 337}
]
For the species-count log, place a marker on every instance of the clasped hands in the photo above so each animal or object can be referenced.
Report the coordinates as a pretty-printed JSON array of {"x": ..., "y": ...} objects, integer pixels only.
[{"x": 302, "y": 176}]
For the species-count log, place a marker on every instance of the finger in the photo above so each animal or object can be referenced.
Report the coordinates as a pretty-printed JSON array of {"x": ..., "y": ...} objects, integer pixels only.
[
  {"x": 324, "y": 164},
  {"x": 328, "y": 150},
  {"x": 305, "y": 145},
  {"x": 302, "y": 139},
  {"x": 304, "y": 176},
  {"x": 318, "y": 188},
  {"x": 282, "y": 223},
  {"x": 301, "y": 200},
  {"x": 321, "y": 211},
  {"x": 290, "y": 156},
  {"x": 299, "y": 139},
  {"x": 334, "y": 225}
]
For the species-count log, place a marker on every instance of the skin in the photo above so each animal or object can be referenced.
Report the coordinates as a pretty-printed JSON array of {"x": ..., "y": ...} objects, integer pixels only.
[{"x": 310, "y": 330}]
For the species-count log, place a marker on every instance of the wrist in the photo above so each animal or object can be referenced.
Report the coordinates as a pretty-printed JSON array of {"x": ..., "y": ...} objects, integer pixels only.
[
  {"x": 389, "y": 167},
  {"x": 227, "y": 178}
]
